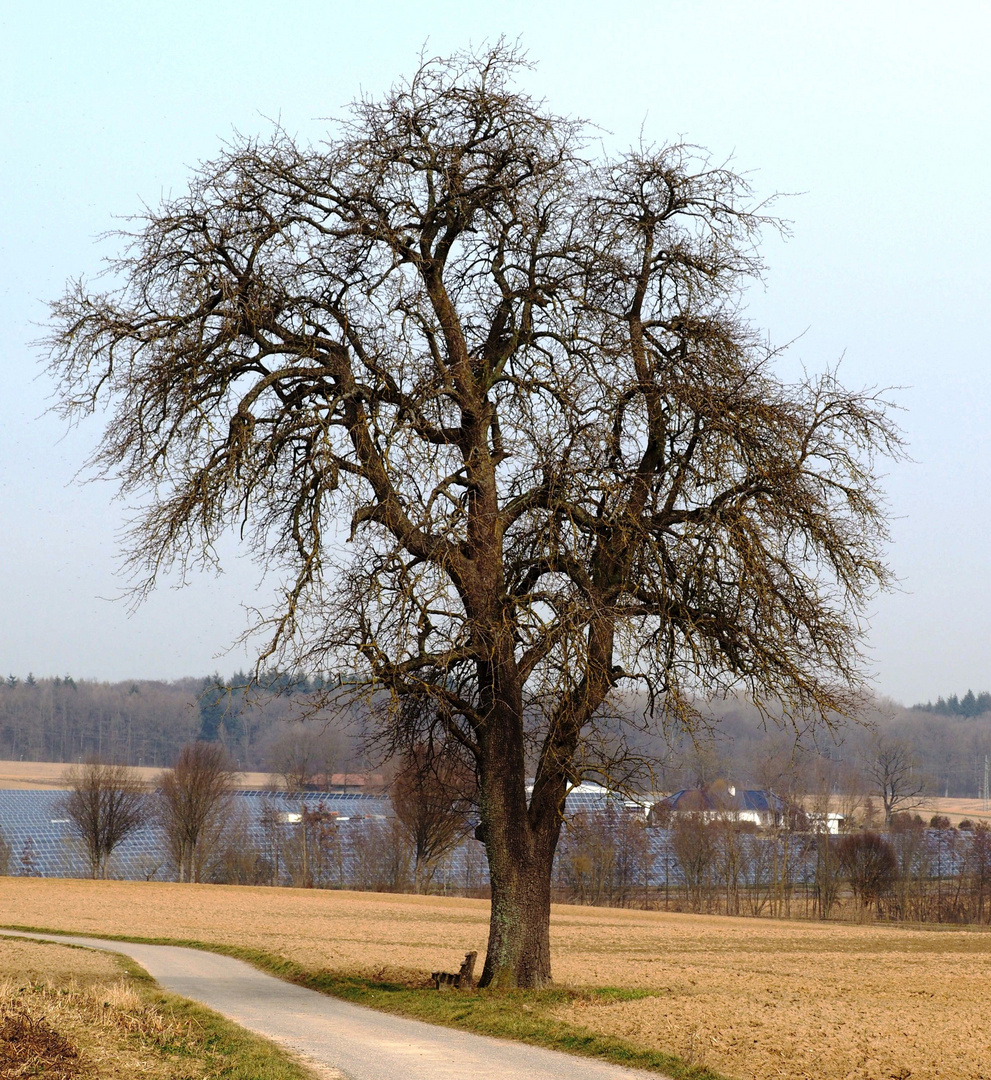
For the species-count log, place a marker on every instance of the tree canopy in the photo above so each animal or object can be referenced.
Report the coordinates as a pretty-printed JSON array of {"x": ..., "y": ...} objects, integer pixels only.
[{"x": 485, "y": 398}]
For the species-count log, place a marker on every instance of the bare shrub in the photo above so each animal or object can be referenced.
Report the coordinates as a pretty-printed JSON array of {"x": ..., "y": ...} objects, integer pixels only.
[
  {"x": 236, "y": 858},
  {"x": 870, "y": 866},
  {"x": 310, "y": 852},
  {"x": 693, "y": 841},
  {"x": 908, "y": 840},
  {"x": 28, "y": 859},
  {"x": 977, "y": 866},
  {"x": 585, "y": 860},
  {"x": 605, "y": 858},
  {"x": 6, "y": 852},
  {"x": 729, "y": 842},
  {"x": 327, "y": 852},
  {"x": 756, "y": 871},
  {"x": 947, "y": 904},
  {"x": 828, "y": 879},
  {"x": 381, "y": 856}
]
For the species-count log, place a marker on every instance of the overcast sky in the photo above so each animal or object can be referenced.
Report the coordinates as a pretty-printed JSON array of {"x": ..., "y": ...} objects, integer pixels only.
[{"x": 876, "y": 114}]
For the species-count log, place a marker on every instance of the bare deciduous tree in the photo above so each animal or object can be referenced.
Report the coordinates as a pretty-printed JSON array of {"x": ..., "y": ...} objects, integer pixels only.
[
  {"x": 193, "y": 805},
  {"x": 520, "y": 372},
  {"x": 380, "y": 853},
  {"x": 977, "y": 866},
  {"x": 605, "y": 858},
  {"x": 914, "y": 856},
  {"x": 305, "y": 754},
  {"x": 895, "y": 774},
  {"x": 693, "y": 841},
  {"x": 432, "y": 794},
  {"x": 105, "y": 804},
  {"x": 869, "y": 863}
]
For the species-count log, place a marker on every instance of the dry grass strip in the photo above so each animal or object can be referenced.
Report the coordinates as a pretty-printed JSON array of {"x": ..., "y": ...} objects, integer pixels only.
[
  {"x": 76, "y": 1014},
  {"x": 71, "y": 1013},
  {"x": 49, "y": 775},
  {"x": 749, "y": 998}
]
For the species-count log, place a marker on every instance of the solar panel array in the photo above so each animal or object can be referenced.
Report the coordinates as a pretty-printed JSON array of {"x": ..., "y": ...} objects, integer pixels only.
[
  {"x": 581, "y": 800},
  {"x": 43, "y": 844}
]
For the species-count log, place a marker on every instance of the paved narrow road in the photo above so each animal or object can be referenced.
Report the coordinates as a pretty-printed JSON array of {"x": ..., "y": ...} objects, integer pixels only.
[{"x": 362, "y": 1043}]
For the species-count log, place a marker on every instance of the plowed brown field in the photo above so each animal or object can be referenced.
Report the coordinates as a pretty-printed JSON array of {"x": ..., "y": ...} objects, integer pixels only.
[
  {"x": 750, "y": 998},
  {"x": 48, "y": 775}
]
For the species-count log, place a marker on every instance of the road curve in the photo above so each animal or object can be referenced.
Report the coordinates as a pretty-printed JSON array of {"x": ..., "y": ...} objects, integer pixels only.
[{"x": 360, "y": 1042}]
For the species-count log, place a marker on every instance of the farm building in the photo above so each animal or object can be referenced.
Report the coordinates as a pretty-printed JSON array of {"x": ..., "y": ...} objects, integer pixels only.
[
  {"x": 725, "y": 802},
  {"x": 721, "y": 801}
]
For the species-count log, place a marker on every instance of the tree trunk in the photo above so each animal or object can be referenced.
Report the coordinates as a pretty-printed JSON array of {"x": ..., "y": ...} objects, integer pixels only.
[
  {"x": 519, "y": 953},
  {"x": 520, "y": 836},
  {"x": 520, "y": 842}
]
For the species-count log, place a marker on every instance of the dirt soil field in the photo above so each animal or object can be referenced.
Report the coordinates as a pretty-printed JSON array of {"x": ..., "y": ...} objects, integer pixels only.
[
  {"x": 957, "y": 809},
  {"x": 47, "y": 776},
  {"x": 749, "y": 998}
]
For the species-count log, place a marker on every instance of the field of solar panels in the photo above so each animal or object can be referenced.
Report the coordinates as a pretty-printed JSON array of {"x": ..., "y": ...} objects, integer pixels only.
[
  {"x": 749, "y": 998},
  {"x": 42, "y": 842},
  {"x": 348, "y": 840},
  {"x": 351, "y": 841},
  {"x": 746, "y": 997}
]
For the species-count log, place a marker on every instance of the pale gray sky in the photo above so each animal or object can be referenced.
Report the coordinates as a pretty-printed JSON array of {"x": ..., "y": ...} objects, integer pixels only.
[{"x": 878, "y": 112}]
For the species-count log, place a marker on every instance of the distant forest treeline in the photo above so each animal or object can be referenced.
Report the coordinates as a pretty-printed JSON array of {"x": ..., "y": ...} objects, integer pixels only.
[
  {"x": 949, "y": 750},
  {"x": 142, "y": 722}
]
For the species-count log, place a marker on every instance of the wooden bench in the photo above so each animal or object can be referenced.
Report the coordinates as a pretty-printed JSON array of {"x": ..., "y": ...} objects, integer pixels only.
[{"x": 464, "y": 980}]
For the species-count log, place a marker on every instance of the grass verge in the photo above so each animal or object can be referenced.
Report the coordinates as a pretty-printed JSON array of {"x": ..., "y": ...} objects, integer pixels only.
[
  {"x": 63, "y": 1018},
  {"x": 520, "y": 1015}
]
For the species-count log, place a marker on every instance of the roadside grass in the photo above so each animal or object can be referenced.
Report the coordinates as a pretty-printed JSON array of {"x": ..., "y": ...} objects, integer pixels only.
[
  {"x": 518, "y": 1015},
  {"x": 106, "y": 1017}
]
